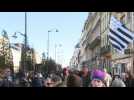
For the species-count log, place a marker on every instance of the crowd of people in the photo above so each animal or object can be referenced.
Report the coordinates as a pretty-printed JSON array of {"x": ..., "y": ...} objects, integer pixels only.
[{"x": 67, "y": 78}]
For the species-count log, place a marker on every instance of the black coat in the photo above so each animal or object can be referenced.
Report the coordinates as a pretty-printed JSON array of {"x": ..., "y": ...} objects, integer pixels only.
[
  {"x": 7, "y": 83},
  {"x": 86, "y": 80},
  {"x": 36, "y": 82},
  {"x": 129, "y": 82}
]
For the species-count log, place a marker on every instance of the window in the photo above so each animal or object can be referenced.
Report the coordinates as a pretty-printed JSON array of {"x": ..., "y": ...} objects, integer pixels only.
[
  {"x": 123, "y": 65},
  {"x": 102, "y": 25},
  {"x": 107, "y": 40},
  {"x": 116, "y": 70},
  {"x": 103, "y": 41},
  {"x": 106, "y": 20},
  {"x": 129, "y": 17}
]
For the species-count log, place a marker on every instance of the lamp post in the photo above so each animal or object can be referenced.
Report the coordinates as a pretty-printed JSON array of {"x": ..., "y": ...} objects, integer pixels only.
[
  {"x": 48, "y": 42},
  {"x": 25, "y": 42},
  {"x": 56, "y": 49}
]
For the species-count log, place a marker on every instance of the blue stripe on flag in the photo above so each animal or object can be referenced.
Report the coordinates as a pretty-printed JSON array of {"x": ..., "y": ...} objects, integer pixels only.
[
  {"x": 124, "y": 33},
  {"x": 115, "y": 46},
  {"x": 119, "y": 36},
  {"x": 117, "y": 41}
]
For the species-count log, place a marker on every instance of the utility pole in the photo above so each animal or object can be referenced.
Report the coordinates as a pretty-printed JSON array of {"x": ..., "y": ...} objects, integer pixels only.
[
  {"x": 56, "y": 30},
  {"x": 25, "y": 43},
  {"x": 55, "y": 52},
  {"x": 48, "y": 46}
]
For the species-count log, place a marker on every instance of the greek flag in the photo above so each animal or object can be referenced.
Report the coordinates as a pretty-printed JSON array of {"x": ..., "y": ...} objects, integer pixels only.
[{"x": 119, "y": 35}]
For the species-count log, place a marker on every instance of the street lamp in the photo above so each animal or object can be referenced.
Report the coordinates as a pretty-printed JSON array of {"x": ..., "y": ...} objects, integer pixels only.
[
  {"x": 25, "y": 40},
  {"x": 56, "y": 30},
  {"x": 56, "y": 48}
]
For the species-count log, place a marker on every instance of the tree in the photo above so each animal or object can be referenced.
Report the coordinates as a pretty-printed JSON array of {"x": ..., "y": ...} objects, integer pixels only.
[
  {"x": 30, "y": 59},
  {"x": 2, "y": 62},
  {"x": 49, "y": 66},
  {"x": 33, "y": 58},
  {"x": 6, "y": 57},
  {"x": 22, "y": 67},
  {"x": 43, "y": 58}
]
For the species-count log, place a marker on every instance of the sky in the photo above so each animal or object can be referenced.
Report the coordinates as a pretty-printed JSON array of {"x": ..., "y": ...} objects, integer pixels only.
[{"x": 69, "y": 24}]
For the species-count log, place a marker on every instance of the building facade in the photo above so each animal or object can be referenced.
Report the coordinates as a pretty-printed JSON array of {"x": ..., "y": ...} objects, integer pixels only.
[
  {"x": 74, "y": 62},
  {"x": 90, "y": 41},
  {"x": 111, "y": 59},
  {"x": 95, "y": 48},
  {"x": 16, "y": 56}
]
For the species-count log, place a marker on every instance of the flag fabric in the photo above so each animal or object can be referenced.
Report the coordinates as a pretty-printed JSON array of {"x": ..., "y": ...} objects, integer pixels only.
[{"x": 119, "y": 36}]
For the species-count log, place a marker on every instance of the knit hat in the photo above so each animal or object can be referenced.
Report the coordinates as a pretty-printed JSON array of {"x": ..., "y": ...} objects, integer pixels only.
[
  {"x": 118, "y": 83},
  {"x": 98, "y": 74}
]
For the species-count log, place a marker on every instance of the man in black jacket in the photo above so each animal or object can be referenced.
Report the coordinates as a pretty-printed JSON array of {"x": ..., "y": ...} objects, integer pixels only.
[{"x": 8, "y": 79}]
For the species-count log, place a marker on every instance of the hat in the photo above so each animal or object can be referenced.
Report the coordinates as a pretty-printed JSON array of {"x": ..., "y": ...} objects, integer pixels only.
[
  {"x": 118, "y": 83},
  {"x": 98, "y": 74}
]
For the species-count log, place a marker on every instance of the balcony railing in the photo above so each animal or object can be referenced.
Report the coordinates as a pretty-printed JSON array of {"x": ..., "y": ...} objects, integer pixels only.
[
  {"x": 105, "y": 49},
  {"x": 129, "y": 51},
  {"x": 95, "y": 42}
]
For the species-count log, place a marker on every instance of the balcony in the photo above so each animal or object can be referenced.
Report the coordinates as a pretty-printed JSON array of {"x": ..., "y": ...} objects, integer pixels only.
[
  {"x": 129, "y": 51},
  {"x": 105, "y": 50},
  {"x": 95, "y": 42}
]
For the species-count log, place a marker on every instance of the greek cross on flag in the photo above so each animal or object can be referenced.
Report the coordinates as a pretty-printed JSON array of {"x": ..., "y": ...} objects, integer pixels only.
[{"x": 119, "y": 36}]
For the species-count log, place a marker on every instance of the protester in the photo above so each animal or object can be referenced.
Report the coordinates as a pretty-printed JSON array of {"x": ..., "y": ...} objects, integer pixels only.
[
  {"x": 108, "y": 78},
  {"x": 7, "y": 80},
  {"x": 37, "y": 80},
  {"x": 129, "y": 79},
  {"x": 98, "y": 79},
  {"x": 117, "y": 82},
  {"x": 74, "y": 81},
  {"x": 65, "y": 76},
  {"x": 85, "y": 76},
  {"x": 48, "y": 82}
]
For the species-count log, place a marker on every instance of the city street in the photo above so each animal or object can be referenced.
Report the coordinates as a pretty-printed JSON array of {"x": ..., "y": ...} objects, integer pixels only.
[{"x": 67, "y": 49}]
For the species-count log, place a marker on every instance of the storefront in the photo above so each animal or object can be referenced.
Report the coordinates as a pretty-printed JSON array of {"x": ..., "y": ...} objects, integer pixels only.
[{"x": 122, "y": 65}]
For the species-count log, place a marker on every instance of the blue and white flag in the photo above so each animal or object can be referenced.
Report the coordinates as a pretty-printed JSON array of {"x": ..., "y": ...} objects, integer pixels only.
[{"x": 119, "y": 36}]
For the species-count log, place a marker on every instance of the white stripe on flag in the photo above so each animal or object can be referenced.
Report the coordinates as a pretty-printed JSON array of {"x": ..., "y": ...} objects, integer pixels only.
[
  {"x": 113, "y": 19},
  {"x": 117, "y": 24},
  {"x": 128, "y": 32},
  {"x": 114, "y": 28},
  {"x": 114, "y": 43},
  {"x": 119, "y": 36}
]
